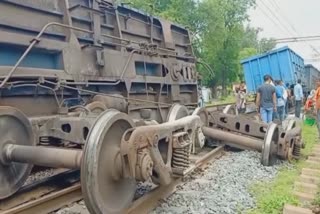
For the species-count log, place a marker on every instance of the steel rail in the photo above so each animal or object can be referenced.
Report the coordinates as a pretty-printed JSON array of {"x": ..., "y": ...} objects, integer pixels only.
[
  {"x": 41, "y": 196},
  {"x": 58, "y": 199},
  {"x": 50, "y": 202},
  {"x": 152, "y": 199}
]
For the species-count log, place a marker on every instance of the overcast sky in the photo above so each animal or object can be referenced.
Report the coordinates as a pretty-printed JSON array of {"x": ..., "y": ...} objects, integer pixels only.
[{"x": 297, "y": 18}]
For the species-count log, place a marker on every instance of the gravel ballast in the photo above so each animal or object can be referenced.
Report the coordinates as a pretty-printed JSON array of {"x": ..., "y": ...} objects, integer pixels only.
[
  {"x": 37, "y": 176},
  {"x": 223, "y": 188}
]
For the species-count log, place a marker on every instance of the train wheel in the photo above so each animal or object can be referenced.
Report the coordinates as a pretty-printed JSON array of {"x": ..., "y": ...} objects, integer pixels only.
[
  {"x": 15, "y": 128},
  {"x": 199, "y": 137},
  {"x": 104, "y": 189},
  {"x": 96, "y": 107},
  {"x": 203, "y": 114},
  {"x": 268, "y": 154},
  {"x": 176, "y": 112},
  {"x": 291, "y": 125},
  {"x": 230, "y": 109},
  {"x": 291, "y": 146}
]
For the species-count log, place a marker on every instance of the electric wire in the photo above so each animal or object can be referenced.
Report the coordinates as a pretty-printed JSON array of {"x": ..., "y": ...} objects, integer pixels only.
[
  {"x": 274, "y": 15},
  {"x": 281, "y": 15},
  {"x": 271, "y": 19}
]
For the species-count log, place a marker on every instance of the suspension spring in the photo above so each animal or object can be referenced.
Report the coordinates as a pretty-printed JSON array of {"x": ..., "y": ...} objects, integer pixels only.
[
  {"x": 296, "y": 150},
  {"x": 44, "y": 140},
  {"x": 180, "y": 158}
]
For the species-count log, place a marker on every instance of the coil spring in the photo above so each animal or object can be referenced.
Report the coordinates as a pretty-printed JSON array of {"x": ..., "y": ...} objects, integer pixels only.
[
  {"x": 180, "y": 158},
  {"x": 44, "y": 140},
  {"x": 296, "y": 150}
]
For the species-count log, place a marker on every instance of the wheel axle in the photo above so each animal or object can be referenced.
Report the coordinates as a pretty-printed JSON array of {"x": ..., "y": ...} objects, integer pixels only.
[
  {"x": 43, "y": 156},
  {"x": 233, "y": 139},
  {"x": 267, "y": 147}
]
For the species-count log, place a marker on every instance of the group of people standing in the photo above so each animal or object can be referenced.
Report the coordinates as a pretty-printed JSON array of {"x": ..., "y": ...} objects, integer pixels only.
[{"x": 272, "y": 99}]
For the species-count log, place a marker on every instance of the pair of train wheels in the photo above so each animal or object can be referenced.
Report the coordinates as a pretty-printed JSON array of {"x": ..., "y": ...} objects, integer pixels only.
[{"x": 101, "y": 191}]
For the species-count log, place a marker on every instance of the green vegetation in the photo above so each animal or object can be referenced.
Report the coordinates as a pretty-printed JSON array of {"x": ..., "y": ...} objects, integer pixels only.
[
  {"x": 223, "y": 100},
  {"x": 316, "y": 201},
  {"x": 271, "y": 196},
  {"x": 220, "y": 36},
  {"x": 226, "y": 100}
]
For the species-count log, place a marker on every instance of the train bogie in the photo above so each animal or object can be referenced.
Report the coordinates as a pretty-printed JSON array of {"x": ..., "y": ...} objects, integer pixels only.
[{"x": 106, "y": 89}]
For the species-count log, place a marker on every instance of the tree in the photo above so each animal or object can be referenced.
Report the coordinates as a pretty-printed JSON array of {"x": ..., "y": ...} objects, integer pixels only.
[
  {"x": 250, "y": 37},
  {"x": 222, "y": 38},
  {"x": 247, "y": 52},
  {"x": 251, "y": 40},
  {"x": 179, "y": 11},
  {"x": 266, "y": 45}
]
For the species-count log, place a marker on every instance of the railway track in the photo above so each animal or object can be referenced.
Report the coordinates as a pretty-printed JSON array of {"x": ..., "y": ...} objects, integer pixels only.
[
  {"x": 149, "y": 201},
  {"x": 46, "y": 195},
  {"x": 64, "y": 189},
  {"x": 52, "y": 194}
]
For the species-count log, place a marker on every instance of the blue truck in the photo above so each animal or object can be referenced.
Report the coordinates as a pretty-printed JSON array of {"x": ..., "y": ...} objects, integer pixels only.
[{"x": 282, "y": 64}]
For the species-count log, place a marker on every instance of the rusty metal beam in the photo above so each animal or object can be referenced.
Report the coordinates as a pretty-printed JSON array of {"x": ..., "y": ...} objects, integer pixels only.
[{"x": 233, "y": 139}]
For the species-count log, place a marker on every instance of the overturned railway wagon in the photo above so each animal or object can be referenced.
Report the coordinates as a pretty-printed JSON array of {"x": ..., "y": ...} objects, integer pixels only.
[
  {"x": 88, "y": 45},
  {"x": 109, "y": 90}
]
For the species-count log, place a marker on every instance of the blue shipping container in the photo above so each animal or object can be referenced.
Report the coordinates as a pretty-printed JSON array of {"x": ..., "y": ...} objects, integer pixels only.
[{"x": 282, "y": 64}]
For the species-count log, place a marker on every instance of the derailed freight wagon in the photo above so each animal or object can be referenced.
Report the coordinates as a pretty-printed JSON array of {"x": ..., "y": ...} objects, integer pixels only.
[
  {"x": 313, "y": 75},
  {"x": 282, "y": 64},
  {"x": 112, "y": 91},
  {"x": 62, "y": 63}
]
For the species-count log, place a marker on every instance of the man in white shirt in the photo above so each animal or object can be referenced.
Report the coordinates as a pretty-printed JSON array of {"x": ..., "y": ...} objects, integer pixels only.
[{"x": 298, "y": 97}]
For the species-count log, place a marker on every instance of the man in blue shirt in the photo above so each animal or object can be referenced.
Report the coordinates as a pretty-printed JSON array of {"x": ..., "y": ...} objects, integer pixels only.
[{"x": 298, "y": 96}]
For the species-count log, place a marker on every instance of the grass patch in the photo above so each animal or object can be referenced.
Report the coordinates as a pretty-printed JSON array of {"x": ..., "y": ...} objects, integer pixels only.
[
  {"x": 223, "y": 100},
  {"x": 227, "y": 100},
  {"x": 316, "y": 201},
  {"x": 271, "y": 196}
]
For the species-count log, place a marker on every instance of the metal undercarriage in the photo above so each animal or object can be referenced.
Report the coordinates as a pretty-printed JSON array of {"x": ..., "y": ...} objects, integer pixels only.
[{"x": 111, "y": 91}]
